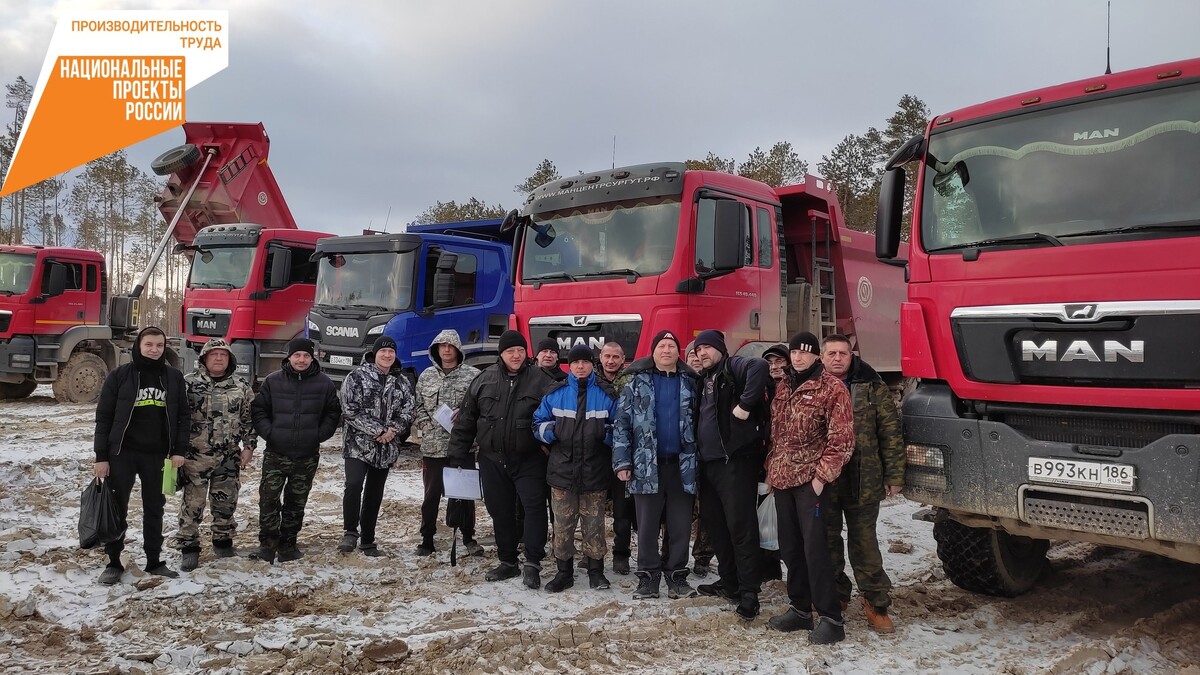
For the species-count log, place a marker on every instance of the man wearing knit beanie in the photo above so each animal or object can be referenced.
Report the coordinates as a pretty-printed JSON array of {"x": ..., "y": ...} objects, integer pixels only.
[
  {"x": 731, "y": 435},
  {"x": 547, "y": 359},
  {"x": 497, "y": 416}
]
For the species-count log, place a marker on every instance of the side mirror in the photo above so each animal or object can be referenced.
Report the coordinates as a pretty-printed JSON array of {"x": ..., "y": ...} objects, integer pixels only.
[
  {"x": 509, "y": 222},
  {"x": 729, "y": 236},
  {"x": 443, "y": 279},
  {"x": 889, "y": 216},
  {"x": 281, "y": 268},
  {"x": 58, "y": 280}
]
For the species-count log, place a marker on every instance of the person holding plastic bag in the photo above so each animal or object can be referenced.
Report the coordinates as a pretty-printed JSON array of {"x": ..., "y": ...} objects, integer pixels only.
[
  {"x": 141, "y": 419},
  {"x": 812, "y": 437}
]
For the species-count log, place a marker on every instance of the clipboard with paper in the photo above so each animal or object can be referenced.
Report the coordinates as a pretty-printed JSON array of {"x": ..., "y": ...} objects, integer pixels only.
[{"x": 461, "y": 483}]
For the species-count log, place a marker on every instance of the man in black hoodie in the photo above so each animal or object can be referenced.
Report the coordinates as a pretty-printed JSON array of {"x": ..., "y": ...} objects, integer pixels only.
[
  {"x": 731, "y": 432},
  {"x": 295, "y": 411},
  {"x": 141, "y": 419}
]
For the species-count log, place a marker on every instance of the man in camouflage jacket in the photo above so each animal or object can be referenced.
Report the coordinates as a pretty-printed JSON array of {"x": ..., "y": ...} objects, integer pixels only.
[
  {"x": 446, "y": 384},
  {"x": 875, "y": 470},
  {"x": 222, "y": 443}
]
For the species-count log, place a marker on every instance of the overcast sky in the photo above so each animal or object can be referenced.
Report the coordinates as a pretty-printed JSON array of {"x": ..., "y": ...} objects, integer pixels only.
[{"x": 396, "y": 104}]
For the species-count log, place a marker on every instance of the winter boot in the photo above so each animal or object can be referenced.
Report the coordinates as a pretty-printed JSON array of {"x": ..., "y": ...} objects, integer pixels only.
[
  {"x": 878, "y": 618},
  {"x": 266, "y": 551},
  {"x": 748, "y": 606},
  {"x": 677, "y": 585},
  {"x": 827, "y": 632},
  {"x": 223, "y": 548},
  {"x": 160, "y": 569},
  {"x": 349, "y": 541},
  {"x": 370, "y": 550},
  {"x": 564, "y": 579},
  {"x": 620, "y": 563},
  {"x": 426, "y": 548},
  {"x": 701, "y": 568},
  {"x": 531, "y": 576},
  {"x": 792, "y": 620},
  {"x": 111, "y": 574},
  {"x": 596, "y": 578},
  {"x": 718, "y": 590},
  {"x": 472, "y": 546},
  {"x": 288, "y": 552},
  {"x": 191, "y": 559},
  {"x": 503, "y": 571},
  {"x": 647, "y": 585}
]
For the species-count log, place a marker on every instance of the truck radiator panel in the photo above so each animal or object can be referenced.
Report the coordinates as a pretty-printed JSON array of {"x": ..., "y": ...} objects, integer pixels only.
[
  {"x": 1126, "y": 520},
  {"x": 1112, "y": 432}
]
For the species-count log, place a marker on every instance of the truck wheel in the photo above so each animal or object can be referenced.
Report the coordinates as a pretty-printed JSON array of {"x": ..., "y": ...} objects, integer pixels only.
[
  {"x": 12, "y": 391},
  {"x": 81, "y": 379},
  {"x": 175, "y": 159},
  {"x": 993, "y": 562}
]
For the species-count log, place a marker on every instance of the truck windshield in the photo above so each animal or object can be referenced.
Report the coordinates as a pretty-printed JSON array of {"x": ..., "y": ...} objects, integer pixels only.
[
  {"x": 1103, "y": 168},
  {"x": 628, "y": 238},
  {"x": 225, "y": 267},
  {"x": 378, "y": 280},
  {"x": 16, "y": 271}
]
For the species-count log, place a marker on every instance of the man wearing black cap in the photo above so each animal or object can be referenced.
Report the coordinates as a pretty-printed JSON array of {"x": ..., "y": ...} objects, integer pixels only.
[
  {"x": 731, "y": 434},
  {"x": 295, "y": 411},
  {"x": 547, "y": 359},
  {"x": 497, "y": 414}
]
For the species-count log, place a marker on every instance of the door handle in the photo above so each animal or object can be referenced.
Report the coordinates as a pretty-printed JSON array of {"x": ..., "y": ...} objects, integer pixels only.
[{"x": 754, "y": 318}]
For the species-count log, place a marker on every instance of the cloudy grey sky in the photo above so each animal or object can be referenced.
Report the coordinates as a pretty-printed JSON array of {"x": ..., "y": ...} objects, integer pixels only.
[{"x": 396, "y": 104}]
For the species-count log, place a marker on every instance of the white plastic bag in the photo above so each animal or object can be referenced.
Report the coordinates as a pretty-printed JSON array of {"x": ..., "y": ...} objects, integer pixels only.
[{"x": 768, "y": 524}]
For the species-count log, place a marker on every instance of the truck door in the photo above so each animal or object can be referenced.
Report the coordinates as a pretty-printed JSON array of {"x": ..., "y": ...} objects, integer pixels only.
[
  {"x": 68, "y": 309},
  {"x": 450, "y": 297},
  {"x": 291, "y": 294},
  {"x": 730, "y": 302}
]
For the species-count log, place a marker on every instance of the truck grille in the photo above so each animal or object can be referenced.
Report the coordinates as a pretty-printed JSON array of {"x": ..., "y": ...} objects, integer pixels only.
[
  {"x": 5, "y": 320},
  {"x": 1125, "y": 520},
  {"x": 1103, "y": 431}
]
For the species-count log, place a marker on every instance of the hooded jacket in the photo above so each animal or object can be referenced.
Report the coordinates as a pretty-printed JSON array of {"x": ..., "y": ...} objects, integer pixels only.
[
  {"x": 115, "y": 407},
  {"x": 878, "y": 458},
  {"x": 295, "y": 412},
  {"x": 220, "y": 408},
  {"x": 371, "y": 402},
  {"x": 497, "y": 414},
  {"x": 435, "y": 387},
  {"x": 575, "y": 420},
  {"x": 812, "y": 431},
  {"x": 635, "y": 442}
]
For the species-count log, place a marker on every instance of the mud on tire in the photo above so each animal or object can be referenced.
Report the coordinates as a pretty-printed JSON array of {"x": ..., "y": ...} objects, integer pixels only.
[
  {"x": 993, "y": 562},
  {"x": 80, "y": 379}
]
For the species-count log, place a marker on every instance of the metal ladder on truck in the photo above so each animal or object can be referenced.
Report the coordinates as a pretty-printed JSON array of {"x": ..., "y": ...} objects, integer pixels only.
[{"x": 823, "y": 273}]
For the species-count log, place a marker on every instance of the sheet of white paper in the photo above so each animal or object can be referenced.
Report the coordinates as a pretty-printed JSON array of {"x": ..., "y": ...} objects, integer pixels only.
[
  {"x": 444, "y": 416},
  {"x": 461, "y": 483}
]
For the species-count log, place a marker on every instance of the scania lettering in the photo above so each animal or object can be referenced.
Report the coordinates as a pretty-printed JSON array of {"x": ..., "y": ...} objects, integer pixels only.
[
  {"x": 1052, "y": 315},
  {"x": 341, "y": 331}
]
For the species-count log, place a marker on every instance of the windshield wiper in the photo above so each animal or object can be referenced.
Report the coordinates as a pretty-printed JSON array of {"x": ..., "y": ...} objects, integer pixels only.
[
  {"x": 381, "y": 308},
  {"x": 5, "y": 291},
  {"x": 1026, "y": 238},
  {"x": 551, "y": 275},
  {"x": 214, "y": 284},
  {"x": 1146, "y": 227},
  {"x": 623, "y": 271}
]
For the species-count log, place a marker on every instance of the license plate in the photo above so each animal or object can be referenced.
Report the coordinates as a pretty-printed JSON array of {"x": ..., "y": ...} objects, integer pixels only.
[
  {"x": 1082, "y": 474},
  {"x": 341, "y": 360}
]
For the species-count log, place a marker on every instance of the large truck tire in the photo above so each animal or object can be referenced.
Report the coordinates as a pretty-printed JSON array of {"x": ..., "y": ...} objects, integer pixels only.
[
  {"x": 175, "y": 159},
  {"x": 11, "y": 391},
  {"x": 992, "y": 562},
  {"x": 81, "y": 379}
]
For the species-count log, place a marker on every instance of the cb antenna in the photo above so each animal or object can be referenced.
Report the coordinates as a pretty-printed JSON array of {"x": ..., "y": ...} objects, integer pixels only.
[
  {"x": 1108, "y": 43},
  {"x": 614, "y": 159}
]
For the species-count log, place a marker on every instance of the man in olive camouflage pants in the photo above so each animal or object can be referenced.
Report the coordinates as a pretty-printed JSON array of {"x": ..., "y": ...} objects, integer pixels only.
[
  {"x": 875, "y": 470},
  {"x": 222, "y": 442}
]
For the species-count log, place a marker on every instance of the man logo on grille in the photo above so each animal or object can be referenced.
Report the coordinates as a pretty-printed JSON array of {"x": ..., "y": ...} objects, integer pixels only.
[
  {"x": 1081, "y": 312},
  {"x": 579, "y": 321}
]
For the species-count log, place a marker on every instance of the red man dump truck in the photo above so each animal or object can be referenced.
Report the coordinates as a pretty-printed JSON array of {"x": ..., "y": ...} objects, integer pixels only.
[
  {"x": 620, "y": 255},
  {"x": 1052, "y": 318}
]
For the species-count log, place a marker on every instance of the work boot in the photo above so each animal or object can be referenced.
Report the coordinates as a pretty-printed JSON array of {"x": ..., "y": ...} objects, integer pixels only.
[
  {"x": 370, "y": 550},
  {"x": 701, "y": 568},
  {"x": 349, "y": 541},
  {"x": 620, "y": 563},
  {"x": 827, "y": 632},
  {"x": 190, "y": 561},
  {"x": 288, "y": 552},
  {"x": 792, "y": 620},
  {"x": 596, "y": 578},
  {"x": 111, "y": 574},
  {"x": 160, "y": 569},
  {"x": 503, "y": 571},
  {"x": 472, "y": 546},
  {"x": 677, "y": 585},
  {"x": 718, "y": 590},
  {"x": 878, "y": 618},
  {"x": 647, "y": 585},
  {"x": 531, "y": 576},
  {"x": 266, "y": 553},
  {"x": 426, "y": 548},
  {"x": 564, "y": 579},
  {"x": 223, "y": 548},
  {"x": 748, "y": 606}
]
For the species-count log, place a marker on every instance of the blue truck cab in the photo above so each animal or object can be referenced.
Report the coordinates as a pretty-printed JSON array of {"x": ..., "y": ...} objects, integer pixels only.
[{"x": 410, "y": 286}]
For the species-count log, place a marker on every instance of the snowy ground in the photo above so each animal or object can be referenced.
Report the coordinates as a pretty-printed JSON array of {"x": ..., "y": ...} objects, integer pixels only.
[{"x": 1097, "y": 611}]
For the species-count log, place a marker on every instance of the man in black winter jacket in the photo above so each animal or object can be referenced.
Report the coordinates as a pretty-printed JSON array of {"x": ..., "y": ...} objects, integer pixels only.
[
  {"x": 731, "y": 432},
  {"x": 497, "y": 413},
  {"x": 296, "y": 409},
  {"x": 141, "y": 419}
]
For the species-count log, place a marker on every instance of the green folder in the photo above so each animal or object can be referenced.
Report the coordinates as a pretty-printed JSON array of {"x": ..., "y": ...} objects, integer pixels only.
[{"x": 170, "y": 477}]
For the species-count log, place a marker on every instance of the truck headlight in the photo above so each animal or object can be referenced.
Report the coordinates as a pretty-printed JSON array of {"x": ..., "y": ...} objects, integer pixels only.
[
  {"x": 926, "y": 467},
  {"x": 313, "y": 328},
  {"x": 377, "y": 330}
]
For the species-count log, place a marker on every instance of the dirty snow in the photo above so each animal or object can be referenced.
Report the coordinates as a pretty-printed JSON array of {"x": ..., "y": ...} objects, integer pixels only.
[{"x": 1097, "y": 611}]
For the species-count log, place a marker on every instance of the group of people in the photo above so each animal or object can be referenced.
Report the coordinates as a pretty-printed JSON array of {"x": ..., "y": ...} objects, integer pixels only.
[{"x": 675, "y": 428}]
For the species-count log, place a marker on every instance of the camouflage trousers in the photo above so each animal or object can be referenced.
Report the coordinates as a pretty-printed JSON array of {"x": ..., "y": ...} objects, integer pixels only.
[
  {"x": 211, "y": 478},
  {"x": 569, "y": 509},
  {"x": 862, "y": 543},
  {"x": 289, "y": 478}
]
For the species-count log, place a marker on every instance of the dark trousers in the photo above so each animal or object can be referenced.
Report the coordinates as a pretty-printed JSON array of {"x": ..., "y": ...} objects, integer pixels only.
[
  {"x": 431, "y": 476},
  {"x": 862, "y": 543},
  {"x": 677, "y": 505},
  {"x": 362, "y": 498},
  {"x": 291, "y": 478},
  {"x": 123, "y": 469},
  {"x": 623, "y": 514},
  {"x": 523, "y": 479},
  {"x": 804, "y": 549},
  {"x": 728, "y": 508}
]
